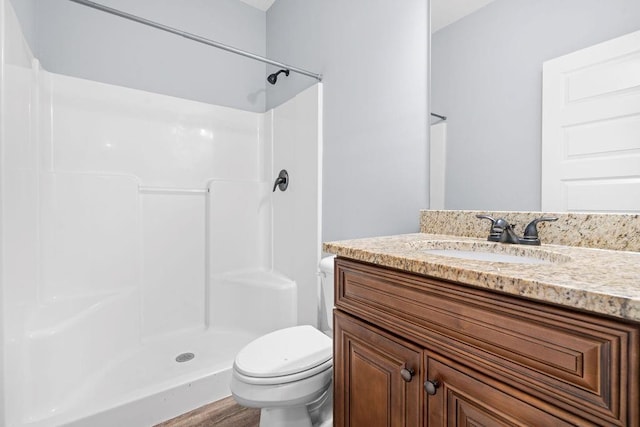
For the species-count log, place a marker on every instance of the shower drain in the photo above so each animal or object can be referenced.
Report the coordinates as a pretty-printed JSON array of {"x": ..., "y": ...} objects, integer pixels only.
[{"x": 185, "y": 357}]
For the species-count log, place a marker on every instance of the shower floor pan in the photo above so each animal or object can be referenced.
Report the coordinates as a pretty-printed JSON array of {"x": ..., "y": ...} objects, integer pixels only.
[{"x": 149, "y": 386}]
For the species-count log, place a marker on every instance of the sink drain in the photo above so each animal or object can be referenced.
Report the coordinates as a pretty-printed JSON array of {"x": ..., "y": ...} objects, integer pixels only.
[{"x": 185, "y": 357}]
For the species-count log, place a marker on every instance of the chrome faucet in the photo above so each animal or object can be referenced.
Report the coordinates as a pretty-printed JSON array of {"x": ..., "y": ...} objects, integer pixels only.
[{"x": 502, "y": 231}]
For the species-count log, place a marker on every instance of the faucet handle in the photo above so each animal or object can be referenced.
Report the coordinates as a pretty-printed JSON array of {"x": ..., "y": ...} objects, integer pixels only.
[
  {"x": 493, "y": 221},
  {"x": 531, "y": 231},
  {"x": 494, "y": 232}
]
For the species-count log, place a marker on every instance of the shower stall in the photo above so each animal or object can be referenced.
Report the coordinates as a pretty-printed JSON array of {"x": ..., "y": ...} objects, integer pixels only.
[{"x": 142, "y": 244}]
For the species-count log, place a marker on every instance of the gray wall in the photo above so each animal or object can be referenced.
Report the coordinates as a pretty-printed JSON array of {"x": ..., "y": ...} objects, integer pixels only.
[
  {"x": 487, "y": 79},
  {"x": 78, "y": 41},
  {"x": 373, "y": 56}
]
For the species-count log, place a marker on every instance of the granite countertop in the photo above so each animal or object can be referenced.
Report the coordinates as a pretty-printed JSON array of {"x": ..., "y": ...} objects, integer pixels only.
[{"x": 596, "y": 280}]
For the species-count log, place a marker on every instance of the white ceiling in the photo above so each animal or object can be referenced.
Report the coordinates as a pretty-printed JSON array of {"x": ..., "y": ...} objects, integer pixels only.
[
  {"x": 443, "y": 12},
  {"x": 259, "y": 4}
]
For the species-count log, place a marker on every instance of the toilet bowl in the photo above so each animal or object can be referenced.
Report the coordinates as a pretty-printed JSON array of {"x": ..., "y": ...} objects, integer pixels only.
[{"x": 288, "y": 373}]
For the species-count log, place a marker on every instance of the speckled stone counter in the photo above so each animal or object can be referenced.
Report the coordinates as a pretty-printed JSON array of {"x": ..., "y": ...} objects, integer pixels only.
[{"x": 596, "y": 280}]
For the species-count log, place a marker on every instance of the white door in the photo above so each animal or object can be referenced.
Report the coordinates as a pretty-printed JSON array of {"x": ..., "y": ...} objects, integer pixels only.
[{"x": 591, "y": 129}]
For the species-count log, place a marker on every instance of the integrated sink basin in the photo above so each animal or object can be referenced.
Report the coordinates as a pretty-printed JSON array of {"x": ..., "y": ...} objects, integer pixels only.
[{"x": 491, "y": 252}]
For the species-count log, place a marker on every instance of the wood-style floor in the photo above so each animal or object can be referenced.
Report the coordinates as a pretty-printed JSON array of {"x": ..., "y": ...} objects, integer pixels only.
[{"x": 223, "y": 413}]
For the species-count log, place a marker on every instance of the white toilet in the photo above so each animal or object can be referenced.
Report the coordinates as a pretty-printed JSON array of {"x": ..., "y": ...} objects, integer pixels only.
[{"x": 288, "y": 373}]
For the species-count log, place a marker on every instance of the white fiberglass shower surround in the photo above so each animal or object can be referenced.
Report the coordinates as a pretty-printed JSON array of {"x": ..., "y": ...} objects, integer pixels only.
[{"x": 138, "y": 229}]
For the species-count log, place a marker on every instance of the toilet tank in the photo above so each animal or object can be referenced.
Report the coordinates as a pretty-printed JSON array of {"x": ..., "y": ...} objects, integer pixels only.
[{"x": 326, "y": 284}]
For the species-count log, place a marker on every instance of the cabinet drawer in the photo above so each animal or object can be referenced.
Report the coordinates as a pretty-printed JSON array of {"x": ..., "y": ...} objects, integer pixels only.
[{"x": 572, "y": 360}]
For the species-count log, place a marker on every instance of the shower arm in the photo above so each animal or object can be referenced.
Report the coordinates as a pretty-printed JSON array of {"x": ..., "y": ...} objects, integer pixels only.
[{"x": 196, "y": 38}]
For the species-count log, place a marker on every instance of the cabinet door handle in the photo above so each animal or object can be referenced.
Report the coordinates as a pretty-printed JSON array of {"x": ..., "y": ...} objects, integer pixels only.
[
  {"x": 431, "y": 387},
  {"x": 407, "y": 374}
]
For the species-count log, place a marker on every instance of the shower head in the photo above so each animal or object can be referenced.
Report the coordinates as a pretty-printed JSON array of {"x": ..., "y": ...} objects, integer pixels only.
[{"x": 273, "y": 78}]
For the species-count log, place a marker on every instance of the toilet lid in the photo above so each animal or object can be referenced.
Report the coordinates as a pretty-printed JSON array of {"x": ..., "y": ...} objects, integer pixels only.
[{"x": 284, "y": 352}]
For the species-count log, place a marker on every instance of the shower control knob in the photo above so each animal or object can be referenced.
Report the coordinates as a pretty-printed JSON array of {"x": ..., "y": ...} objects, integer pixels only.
[
  {"x": 431, "y": 387},
  {"x": 407, "y": 374},
  {"x": 282, "y": 181}
]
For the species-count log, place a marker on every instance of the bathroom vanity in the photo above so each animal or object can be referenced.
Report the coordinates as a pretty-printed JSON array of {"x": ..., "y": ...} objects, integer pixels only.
[{"x": 431, "y": 340}]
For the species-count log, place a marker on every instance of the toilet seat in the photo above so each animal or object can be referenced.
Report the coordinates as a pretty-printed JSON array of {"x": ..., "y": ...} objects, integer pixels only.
[
  {"x": 285, "y": 355},
  {"x": 298, "y": 376}
]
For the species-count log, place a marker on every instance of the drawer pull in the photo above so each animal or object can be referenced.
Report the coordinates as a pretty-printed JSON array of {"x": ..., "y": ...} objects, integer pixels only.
[
  {"x": 407, "y": 374},
  {"x": 431, "y": 387}
]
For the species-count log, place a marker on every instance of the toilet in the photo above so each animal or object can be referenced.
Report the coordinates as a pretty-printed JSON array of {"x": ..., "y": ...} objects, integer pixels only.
[{"x": 288, "y": 373}]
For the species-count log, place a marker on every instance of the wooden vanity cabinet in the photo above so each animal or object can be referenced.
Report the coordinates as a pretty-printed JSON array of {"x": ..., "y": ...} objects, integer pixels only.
[{"x": 411, "y": 350}]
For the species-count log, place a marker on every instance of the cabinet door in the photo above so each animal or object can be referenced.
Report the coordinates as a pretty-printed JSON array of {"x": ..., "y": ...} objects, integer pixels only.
[
  {"x": 376, "y": 377},
  {"x": 464, "y": 397}
]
